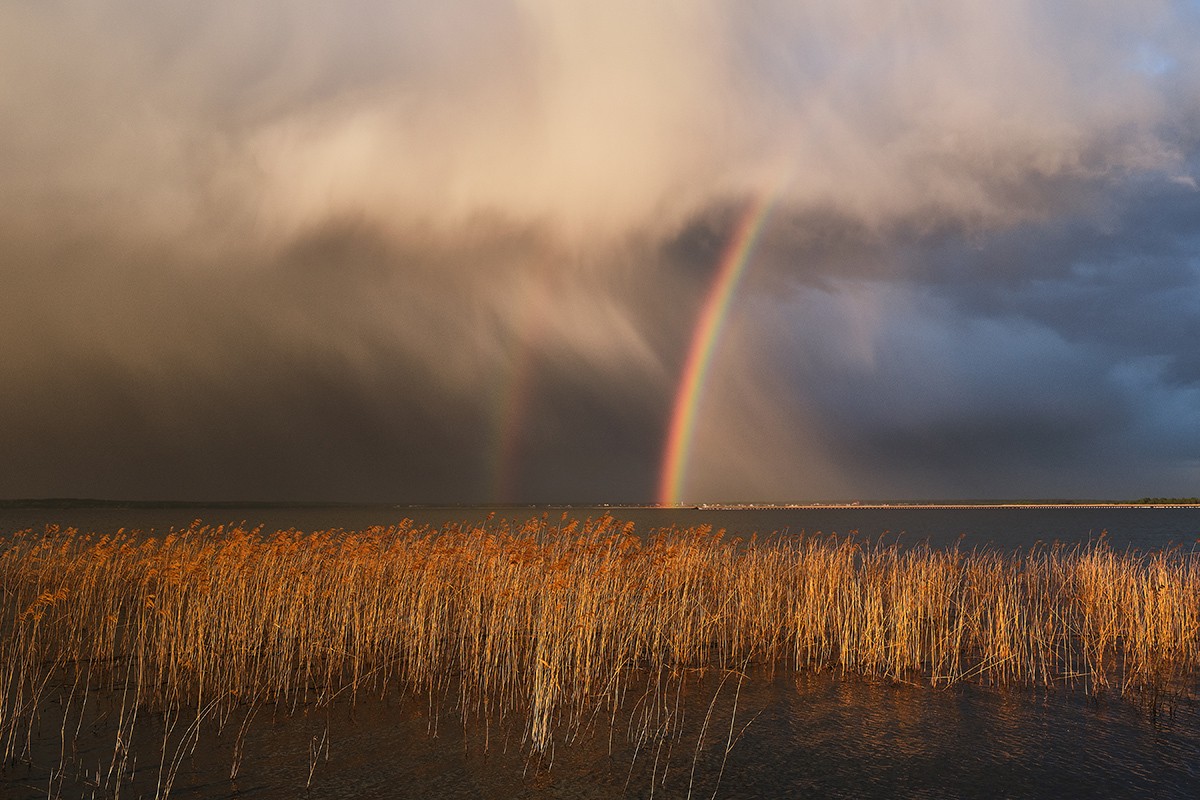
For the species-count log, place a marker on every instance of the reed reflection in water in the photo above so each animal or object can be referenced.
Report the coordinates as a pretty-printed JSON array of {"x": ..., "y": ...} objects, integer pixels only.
[{"x": 819, "y": 735}]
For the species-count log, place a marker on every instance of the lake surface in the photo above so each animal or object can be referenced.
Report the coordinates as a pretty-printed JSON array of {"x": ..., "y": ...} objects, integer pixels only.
[
  {"x": 1005, "y": 528},
  {"x": 778, "y": 735}
]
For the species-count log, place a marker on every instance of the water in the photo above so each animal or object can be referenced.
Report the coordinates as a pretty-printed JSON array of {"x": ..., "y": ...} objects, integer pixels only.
[
  {"x": 1006, "y": 528},
  {"x": 814, "y": 735}
]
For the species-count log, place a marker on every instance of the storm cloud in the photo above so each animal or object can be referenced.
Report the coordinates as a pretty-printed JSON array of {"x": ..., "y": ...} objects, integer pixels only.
[{"x": 455, "y": 252}]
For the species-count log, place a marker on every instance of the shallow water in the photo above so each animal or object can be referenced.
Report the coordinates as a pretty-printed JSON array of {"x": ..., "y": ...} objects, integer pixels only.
[
  {"x": 816, "y": 735},
  {"x": 819, "y": 736}
]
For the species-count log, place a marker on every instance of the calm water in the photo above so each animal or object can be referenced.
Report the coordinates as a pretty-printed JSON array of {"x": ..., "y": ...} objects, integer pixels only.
[
  {"x": 813, "y": 736},
  {"x": 1136, "y": 527}
]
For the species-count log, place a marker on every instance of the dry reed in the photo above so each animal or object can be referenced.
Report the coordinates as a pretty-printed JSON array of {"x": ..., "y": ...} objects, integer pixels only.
[{"x": 548, "y": 624}]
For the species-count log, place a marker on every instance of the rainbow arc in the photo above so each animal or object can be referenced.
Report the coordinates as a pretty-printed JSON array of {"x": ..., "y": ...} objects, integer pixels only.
[{"x": 705, "y": 336}]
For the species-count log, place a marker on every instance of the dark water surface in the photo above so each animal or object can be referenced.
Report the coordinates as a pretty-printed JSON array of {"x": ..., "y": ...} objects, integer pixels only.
[
  {"x": 819, "y": 735},
  {"x": 1125, "y": 527}
]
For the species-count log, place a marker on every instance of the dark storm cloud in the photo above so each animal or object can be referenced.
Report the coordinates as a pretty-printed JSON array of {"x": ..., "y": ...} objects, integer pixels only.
[
  {"x": 343, "y": 367},
  {"x": 404, "y": 251},
  {"x": 1129, "y": 281},
  {"x": 1052, "y": 358}
]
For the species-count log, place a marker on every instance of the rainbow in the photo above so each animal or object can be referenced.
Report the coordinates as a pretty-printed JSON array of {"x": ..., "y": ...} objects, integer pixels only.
[
  {"x": 516, "y": 394},
  {"x": 704, "y": 341},
  {"x": 510, "y": 426}
]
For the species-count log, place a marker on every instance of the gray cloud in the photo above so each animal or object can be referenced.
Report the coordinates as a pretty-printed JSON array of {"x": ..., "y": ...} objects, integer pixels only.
[
  {"x": 1054, "y": 358},
  {"x": 406, "y": 251}
]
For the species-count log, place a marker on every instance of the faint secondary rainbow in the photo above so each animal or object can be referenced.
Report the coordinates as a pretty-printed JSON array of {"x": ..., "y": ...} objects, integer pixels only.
[
  {"x": 704, "y": 341},
  {"x": 515, "y": 397},
  {"x": 515, "y": 394}
]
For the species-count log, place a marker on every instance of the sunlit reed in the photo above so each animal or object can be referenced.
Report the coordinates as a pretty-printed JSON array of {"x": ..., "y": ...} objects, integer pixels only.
[{"x": 553, "y": 622}]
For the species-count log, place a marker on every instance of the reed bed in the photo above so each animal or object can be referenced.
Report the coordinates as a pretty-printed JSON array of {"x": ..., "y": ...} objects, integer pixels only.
[{"x": 548, "y": 625}]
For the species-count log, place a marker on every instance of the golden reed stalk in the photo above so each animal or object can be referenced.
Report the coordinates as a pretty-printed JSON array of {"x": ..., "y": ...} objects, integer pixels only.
[{"x": 547, "y": 623}]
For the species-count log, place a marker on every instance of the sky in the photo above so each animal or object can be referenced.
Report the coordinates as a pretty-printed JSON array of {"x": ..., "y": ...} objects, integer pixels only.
[{"x": 599, "y": 251}]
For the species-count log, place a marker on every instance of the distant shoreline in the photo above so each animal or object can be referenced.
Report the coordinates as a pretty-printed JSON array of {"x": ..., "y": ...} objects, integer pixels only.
[
  {"x": 931, "y": 506},
  {"x": 79, "y": 503}
]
